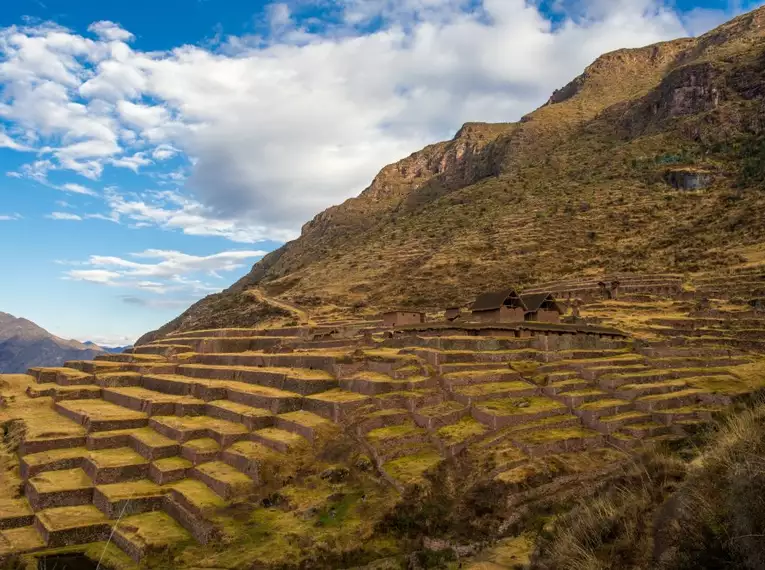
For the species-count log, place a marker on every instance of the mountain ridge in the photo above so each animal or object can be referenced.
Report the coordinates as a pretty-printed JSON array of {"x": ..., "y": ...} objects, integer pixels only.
[
  {"x": 24, "y": 344},
  {"x": 584, "y": 184}
]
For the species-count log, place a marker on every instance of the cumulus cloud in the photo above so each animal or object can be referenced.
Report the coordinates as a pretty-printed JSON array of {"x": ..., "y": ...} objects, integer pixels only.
[
  {"x": 277, "y": 127},
  {"x": 161, "y": 271},
  {"x": 64, "y": 216}
]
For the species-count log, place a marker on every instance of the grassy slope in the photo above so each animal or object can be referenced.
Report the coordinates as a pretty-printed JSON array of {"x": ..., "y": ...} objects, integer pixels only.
[{"x": 576, "y": 187}]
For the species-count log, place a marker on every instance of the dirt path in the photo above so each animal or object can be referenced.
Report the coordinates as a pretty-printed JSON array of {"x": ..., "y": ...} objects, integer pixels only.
[{"x": 301, "y": 315}]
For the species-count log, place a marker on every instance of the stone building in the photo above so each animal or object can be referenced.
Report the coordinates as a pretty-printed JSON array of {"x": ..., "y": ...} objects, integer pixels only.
[
  {"x": 399, "y": 318},
  {"x": 507, "y": 307},
  {"x": 541, "y": 307},
  {"x": 498, "y": 307}
]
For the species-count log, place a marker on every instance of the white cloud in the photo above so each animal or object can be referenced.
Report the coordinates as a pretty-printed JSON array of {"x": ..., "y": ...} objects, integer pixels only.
[
  {"x": 94, "y": 276},
  {"x": 161, "y": 271},
  {"x": 7, "y": 142},
  {"x": 132, "y": 162},
  {"x": 77, "y": 189},
  {"x": 277, "y": 128},
  {"x": 9, "y": 217},
  {"x": 172, "y": 211},
  {"x": 64, "y": 216},
  {"x": 110, "y": 31},
  {"x": 164, "y": 152}
]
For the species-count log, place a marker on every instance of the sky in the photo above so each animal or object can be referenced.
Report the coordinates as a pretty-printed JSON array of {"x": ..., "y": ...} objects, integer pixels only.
[{"x": 152, "y": 151}]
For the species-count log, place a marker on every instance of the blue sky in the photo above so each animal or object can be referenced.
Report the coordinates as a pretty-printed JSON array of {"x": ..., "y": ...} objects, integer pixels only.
[{"x": 151, "y": 152}]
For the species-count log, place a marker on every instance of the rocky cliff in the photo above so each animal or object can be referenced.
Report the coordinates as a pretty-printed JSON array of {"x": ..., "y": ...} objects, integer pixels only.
[{"x": 594, "y": 180}]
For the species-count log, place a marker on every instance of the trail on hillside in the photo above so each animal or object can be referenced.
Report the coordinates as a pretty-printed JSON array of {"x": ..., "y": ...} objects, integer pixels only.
[{"x": 300, "y": 314}]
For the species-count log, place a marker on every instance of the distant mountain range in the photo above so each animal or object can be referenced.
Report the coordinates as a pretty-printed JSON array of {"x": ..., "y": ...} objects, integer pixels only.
[
  {"x": 24, "y": 344},
  {"x": 109, "y": 349}
]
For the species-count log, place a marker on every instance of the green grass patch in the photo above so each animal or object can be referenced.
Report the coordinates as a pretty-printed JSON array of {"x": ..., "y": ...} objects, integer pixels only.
[
  {"x": 395, "y": 432},
  {"x": 492, "y": 388},
  {"x": 520, "y": 406},
  {"x": 410, "y": 468},
  {"x": 464, "y": 429}
]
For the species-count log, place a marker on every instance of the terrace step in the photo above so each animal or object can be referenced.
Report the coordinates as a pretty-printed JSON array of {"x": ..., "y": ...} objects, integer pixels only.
[
  {"x": 373, "y": 383},
  {"x": 118, "y": 379},
  {"x": 575, "y": 398},
  {"x": 462, "y": 367},
  {"x": 560, "y": 440},
  {"x": 605, "y": 407},
  {"x": 671, "y": 415},
  {"x": 279, "y": 439},
  {"x": 250, "y": 417},
  {"x": 64, "y": 488},
  {"x": 612, "y": 423},
  {"x": 98, "y": 415},
  {"x": 154, "y": 403},
  {"x": 440, "y": 415},
  {"x": 334, "y": 404},
  {"x": 96, "y": 366},
  {"x": 129, "y": 357},
  {"x": 563, "y": 386},
  {"x": 454, "y": 379},
  {"x": 146, "y": 441},
  {"x": 381, "y": 418},
  {"x": 201, "y": 450},
  {"x": 644, "y": 430},
  {"x": 259, "y": 462},
  {"x": 409, "y": 400},
  {"x": 595, "y": 372},
  {"x": 15, "y": 513},
  {"x": 161, "y": 349},
  {"x": 183, "y": 429},
  {"x": 128, "y": 498},
  {"x": 633, "y": 391},
  {"x": 20, "y": 539},
  {"x": 147, "y": 533},
  {"x": 67, "y": 526},
  {"x": 652, "y": 376},
  {"x": 273, "y": 399},
  {"x": 306, "y": 424},
  {"x": 479, "y": 392},
  {"x": 77, "y": 392},
  {"x": 61, "y": 376},
  {"x": 312, "y": 360},
  {"x": 223, "y": 479},
  {"x": 299, "y": 381},
  {"x": 52, "y": 460},
  {"x": 193, "y": 504},
  {"x": 169, "y": 470},
  {"x": 670, "y": 400},
  {"x": 115, "y": 465},
  {"x": 506, "y": 412}
]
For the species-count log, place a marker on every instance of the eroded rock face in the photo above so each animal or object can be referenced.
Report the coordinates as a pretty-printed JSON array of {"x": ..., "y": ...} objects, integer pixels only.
[
  {"x": 688, "y": 179},
  {"x": 689, "y": 90}
]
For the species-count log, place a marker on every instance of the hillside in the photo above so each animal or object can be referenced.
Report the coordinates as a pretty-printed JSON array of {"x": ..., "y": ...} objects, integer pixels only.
[
  {"x": 592, "y": 181},
  {"x": 24, "y": 344},
  {"x": 284, "y": 425}
]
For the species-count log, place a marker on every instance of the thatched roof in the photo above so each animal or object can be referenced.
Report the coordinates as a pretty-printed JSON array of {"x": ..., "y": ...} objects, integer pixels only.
[
  {"x": 492, "y": 300},
  {"x": 534, "y": 301}
]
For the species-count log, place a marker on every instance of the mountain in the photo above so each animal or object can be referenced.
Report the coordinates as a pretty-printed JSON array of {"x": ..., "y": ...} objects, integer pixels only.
[
  {"x": 653, "y": 159},
  {"x": 24, "y": 344},
  {"x": 109, "y": 349}
]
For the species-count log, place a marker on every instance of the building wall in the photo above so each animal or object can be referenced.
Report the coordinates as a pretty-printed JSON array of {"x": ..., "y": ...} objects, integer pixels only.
[
  {"x": 486, "y": 316},
  {"x": 508, "y": 315},
  {"x": 548, "y": 316},
  {"x": 402, "y": 318},
  {"x": 452, "y": 314}
]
